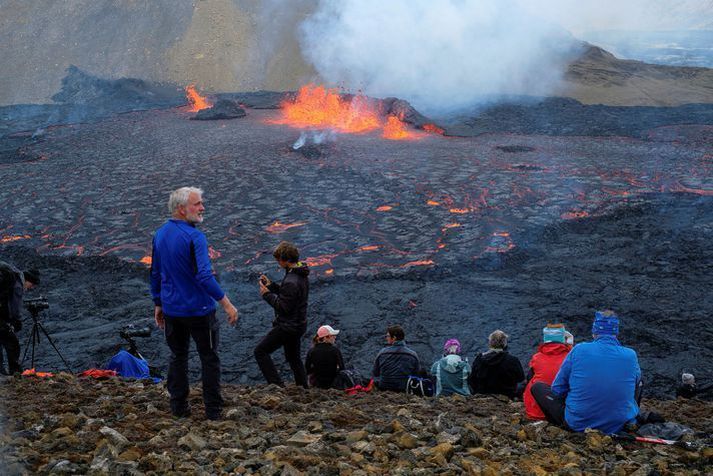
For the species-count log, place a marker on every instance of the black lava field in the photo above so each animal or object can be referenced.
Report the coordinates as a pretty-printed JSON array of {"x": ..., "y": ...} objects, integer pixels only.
[{"x": 449, "y": 236}]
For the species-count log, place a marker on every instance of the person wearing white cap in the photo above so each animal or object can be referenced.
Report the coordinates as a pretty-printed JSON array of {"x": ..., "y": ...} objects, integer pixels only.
[{"x": 324, "y": 359}]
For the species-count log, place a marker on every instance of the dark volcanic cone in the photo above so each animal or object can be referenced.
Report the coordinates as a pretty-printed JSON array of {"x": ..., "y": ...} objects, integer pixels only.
[{"x": 223, "y": 109}]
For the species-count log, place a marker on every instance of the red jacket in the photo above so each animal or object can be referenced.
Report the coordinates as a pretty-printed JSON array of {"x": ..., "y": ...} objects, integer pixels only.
[{"x": 544, "y": 364}]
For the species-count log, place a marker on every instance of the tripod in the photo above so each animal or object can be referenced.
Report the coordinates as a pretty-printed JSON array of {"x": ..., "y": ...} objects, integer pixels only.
[{"x": 34, "y": 337}]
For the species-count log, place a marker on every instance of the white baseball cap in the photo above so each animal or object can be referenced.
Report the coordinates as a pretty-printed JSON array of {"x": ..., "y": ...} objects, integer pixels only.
[{"x": 325, "y": 331}]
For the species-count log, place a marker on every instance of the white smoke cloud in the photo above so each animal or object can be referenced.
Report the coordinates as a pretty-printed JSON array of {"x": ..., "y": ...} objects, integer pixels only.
[
  {"x": 446, "y": 54},
  {"x": 437, "y": 53}
]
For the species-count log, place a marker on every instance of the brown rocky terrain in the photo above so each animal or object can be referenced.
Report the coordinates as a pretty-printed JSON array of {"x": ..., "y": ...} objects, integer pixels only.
[
  {"x": 598, "y": 77},
  {"x": 245, "y": 45},
  {"x": 69, "y": 425}
]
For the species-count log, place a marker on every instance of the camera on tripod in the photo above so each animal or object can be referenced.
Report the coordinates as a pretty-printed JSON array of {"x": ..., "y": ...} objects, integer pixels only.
[
  {"x": 129, "y": 332},
  {"x": 36, "y": 305}
]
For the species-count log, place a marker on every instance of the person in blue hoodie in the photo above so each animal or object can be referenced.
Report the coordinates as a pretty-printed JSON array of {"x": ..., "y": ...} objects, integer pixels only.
[
  {"x": 451, "y": 371},
  {"x": 596, "y": 385},
  {"x": 185, "y": 292}
]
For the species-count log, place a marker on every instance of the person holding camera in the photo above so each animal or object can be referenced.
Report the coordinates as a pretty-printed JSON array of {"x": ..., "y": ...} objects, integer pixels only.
[
  {"x": 289, "y": 300},
  {"x": 185, "y": 293},
  {"x": 13, "y": 284}
]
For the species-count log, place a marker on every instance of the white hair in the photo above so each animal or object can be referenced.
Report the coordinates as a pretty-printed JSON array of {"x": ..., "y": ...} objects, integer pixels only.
[
  {"x": 498, "y": 339},
  {"x": 180, "y": 197}
]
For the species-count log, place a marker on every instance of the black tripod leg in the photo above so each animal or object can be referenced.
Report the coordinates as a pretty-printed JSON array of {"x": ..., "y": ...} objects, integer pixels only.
[
  {"x": 35, "y": 341},
  {"x": 53, "y": 346},
  {"x": 27, "y": 345}
]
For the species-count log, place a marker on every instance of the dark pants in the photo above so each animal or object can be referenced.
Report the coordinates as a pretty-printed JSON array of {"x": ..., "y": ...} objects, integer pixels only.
[
  {"x": 290, "y": 341},
  {"x": 204, "y": 331},
  {"x": 9, "y": 342},
  {"x": 552, "y": 405}
]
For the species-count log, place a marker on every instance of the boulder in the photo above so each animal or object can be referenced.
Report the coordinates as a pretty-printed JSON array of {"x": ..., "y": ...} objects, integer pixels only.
[{"x": 223, "y": 109}]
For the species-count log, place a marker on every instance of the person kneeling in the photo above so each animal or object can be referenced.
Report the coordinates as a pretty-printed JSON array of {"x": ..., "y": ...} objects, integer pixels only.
[{"x": 597, "y": 384}]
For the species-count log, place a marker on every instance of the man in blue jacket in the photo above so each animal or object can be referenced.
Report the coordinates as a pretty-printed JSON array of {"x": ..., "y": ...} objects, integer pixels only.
[
  {"x": 184, "y": 292},
  {"x": 596, "y": 385},
  {"x": 395, "y": 362}
]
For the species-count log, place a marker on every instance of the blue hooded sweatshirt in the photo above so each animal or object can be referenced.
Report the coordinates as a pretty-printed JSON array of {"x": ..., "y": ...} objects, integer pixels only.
[
  {"x": 182, "y": 281},
  {"x": 599, "y": 381}
]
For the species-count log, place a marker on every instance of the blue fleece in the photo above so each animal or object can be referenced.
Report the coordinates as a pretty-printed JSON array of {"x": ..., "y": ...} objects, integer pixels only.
[
  {"x": 599, "y": 380},
  {"x": 182, "y": 285}
]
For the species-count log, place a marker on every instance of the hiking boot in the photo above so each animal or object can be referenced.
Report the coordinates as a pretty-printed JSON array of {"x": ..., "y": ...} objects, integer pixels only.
[
  {"x": 183, "y": 413},
  {"x": 214, "y": 415}
]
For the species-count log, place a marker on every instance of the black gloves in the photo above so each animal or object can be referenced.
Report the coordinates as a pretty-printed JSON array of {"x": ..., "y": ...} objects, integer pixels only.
[{"x": 17, "y": 325}]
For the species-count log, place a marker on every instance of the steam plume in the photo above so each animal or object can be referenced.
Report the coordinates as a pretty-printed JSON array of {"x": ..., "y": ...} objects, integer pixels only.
[{"x": 438, "y": 54}]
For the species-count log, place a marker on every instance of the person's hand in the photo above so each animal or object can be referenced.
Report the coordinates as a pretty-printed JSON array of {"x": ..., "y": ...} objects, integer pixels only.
[
  {"x": 264, "y": 280},
  {"x": 232, "y": 313},
  {"x": 17, "y": 325},
  {"x": 158, "y": 317},
  {"x": 263, "y": 289}
]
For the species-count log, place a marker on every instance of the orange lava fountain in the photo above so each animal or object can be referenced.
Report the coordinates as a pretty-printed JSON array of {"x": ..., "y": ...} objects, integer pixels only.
[
  {"x": 317, "y": 106},
  {"x": 196, "y": 102},
  {"x": 323, "y": 108}
]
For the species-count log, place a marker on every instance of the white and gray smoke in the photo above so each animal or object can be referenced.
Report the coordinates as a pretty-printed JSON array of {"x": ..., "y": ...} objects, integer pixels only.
[
  {"x": 452, "y": 53},
  {"x": 434, "y": 53}
]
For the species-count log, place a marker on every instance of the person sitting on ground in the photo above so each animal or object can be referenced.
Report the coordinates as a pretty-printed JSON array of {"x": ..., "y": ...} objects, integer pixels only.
[
  {"x": 496, "y": 371},
  {"x": 596, "y": 386},
  {"x": 451, "y": 371},
  {"x": 324, "y": 360},
  {"x": 545, "y": 364},
  {"x": 395, "y": 362}
]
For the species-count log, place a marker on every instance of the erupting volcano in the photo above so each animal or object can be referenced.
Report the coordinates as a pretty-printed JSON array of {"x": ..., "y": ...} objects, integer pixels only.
[{"x": 322, "y": 108}]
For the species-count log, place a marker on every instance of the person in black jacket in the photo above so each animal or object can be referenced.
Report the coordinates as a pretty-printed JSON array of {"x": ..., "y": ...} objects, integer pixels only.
[
  {"x": 324, "y": 359},
  {"x": 395, "y": 362},
  {"x": 289, "y": 299},
  {"x": 496, "y": 371},
  {"x": 13, "y": 284}
]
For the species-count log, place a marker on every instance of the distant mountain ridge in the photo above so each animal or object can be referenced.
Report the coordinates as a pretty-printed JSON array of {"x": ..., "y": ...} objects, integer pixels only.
[{"x": 219, "y": 46}]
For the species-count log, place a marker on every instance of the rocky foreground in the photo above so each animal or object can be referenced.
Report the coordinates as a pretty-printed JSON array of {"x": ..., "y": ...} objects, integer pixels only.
[{"x": 79, "y": 426}]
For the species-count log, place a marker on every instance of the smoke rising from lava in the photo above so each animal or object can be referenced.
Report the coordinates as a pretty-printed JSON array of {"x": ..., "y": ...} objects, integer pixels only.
[{"x": 442, "y": 55}]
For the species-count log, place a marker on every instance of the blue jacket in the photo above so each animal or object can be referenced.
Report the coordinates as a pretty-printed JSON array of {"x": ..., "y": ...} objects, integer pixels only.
[
  {"x": 451, "y": 375},
  {"x": 393, "y": 366},
  {"x": 599, "y": 380},
  {"x": 182, "y": 281}
]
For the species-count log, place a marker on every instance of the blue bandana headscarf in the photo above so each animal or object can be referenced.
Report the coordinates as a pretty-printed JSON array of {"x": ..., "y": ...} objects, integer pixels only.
[{"x": 605, "y": 325}]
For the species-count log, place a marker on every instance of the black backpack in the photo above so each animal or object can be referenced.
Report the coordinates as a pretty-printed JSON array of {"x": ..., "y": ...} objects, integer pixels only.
[
  {"x": 347, "y": 378},
  {"x": 421, "y": 386},
  {"x": 11, "y": 291}
]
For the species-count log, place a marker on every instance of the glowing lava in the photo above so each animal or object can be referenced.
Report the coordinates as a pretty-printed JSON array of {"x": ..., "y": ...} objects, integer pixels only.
[
  {"x": 323, "y": 108},
  {"x": 433, "y": 129},
  {"x": 421, "y": 262},
  {"x": 317, "y": 106},
  {"x": 11, "y": 238},
  {"x": 394, "y": 129},
  {"x": 279, "y": 227},
  {"x": 146, "y": 260},
  {"x": 196, "y": 102},
  {"x": 384, "y": 208},
  {"x": 573, "y": 215}
]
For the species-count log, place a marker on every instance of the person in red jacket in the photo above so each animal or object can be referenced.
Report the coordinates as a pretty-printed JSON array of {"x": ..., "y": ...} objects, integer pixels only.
[{"x": 545, "y": 364}]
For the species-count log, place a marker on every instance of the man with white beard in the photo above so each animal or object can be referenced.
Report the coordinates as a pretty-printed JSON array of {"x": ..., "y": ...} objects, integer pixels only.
[{"x": 185, "y": 292}]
